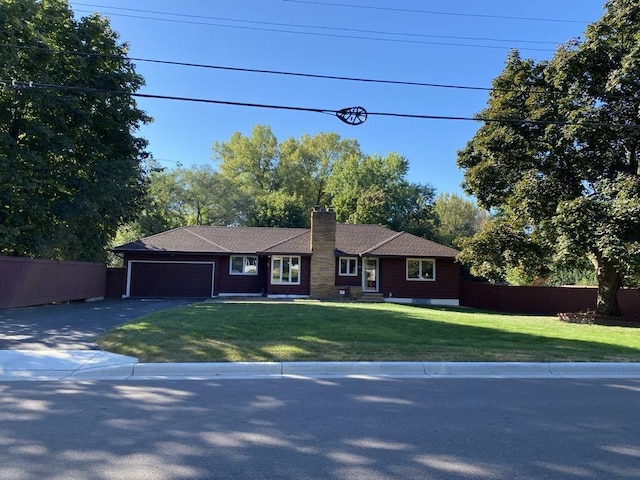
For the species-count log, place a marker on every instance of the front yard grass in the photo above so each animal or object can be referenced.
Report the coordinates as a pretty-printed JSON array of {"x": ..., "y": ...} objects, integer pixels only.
[{"x": 327, "y": 331}]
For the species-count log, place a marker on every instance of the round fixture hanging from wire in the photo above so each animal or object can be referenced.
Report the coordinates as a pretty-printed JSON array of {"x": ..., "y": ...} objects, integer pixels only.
[{"x": 352, "y": 115}]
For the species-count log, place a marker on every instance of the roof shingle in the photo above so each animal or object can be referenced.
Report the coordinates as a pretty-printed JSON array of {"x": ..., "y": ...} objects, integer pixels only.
[{"x": 351, "y": 239}]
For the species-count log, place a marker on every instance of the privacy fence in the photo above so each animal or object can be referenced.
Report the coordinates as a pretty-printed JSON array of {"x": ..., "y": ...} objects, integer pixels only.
[
  {"x": 26, "y": 281},
  {"x": 541, "y": 300}
]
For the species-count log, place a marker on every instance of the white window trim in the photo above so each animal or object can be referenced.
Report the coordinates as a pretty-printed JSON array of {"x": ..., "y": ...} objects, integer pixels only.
[
  {"x": 421, "y": 279},
  {"x": 351, "y": 274},
  {"x": 244, "y": 264},
  {"x": 281, "y": 282}
]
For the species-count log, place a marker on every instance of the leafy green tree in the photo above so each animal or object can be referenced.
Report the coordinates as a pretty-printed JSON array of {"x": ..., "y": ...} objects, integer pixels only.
[
  {"x": 305, "y": 166},
  {"x": 209, "y": 198},
  {"x": 279, "y": 183},
  {"x": 456, "y": 218},
  {"x": 249, "y": 162},
  {"x": 568, "y": 183},
  {"x": 278, "y": 209},
  {"x": 262, "y": 172},
  {"x": 186, "y": 196},
  {"x": 373, "y": 189},
  {"x": 71, "y": 166}
]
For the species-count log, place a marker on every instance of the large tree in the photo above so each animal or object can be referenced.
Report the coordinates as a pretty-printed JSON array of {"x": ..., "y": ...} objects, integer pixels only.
[
  {"x": 456, "y": 218},
  {"x": 374, "y": 189},
  {"x": 283, "y": 180},
  {"x": 558, "y": 159},
  {"x": 71, "y": 165}
]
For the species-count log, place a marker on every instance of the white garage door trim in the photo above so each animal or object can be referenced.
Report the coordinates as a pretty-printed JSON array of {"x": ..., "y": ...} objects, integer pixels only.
[{"x": 130, "y": 262}]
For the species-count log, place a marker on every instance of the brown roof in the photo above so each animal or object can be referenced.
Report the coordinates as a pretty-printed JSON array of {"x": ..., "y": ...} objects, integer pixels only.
[
  {"x": 208, "y": 239},
  {"x": 351, "y": 239}
]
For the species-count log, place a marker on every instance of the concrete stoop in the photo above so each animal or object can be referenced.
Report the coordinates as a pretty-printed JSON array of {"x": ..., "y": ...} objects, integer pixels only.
[{"x": 371, "y": 298}]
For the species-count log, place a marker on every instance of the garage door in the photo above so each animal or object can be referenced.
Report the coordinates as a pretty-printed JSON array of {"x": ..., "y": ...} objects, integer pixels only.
[{"x": 170, "y": 279}]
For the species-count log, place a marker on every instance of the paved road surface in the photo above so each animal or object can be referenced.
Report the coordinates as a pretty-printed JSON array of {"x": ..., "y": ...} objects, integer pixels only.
[
  {"x": 72, "y": 326},
  {"x": 329, "y": 429}
]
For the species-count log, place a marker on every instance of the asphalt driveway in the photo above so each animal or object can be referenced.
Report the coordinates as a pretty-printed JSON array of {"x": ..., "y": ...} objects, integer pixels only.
[{"x": 72, "y": 326}]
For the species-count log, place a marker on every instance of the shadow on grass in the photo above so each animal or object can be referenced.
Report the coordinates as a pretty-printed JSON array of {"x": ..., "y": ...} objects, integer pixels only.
[{"x": 355, "y": 332}]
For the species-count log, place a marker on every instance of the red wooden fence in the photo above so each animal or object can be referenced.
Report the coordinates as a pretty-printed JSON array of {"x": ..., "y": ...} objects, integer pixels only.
[
  {"x": 27, "y": 281},
  {"x": 541, "y": 300}
]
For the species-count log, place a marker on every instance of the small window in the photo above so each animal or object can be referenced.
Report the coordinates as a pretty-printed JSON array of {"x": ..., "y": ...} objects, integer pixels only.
[
  {"x": 421, "y": 269},
  {"x": 243, "y": 265},
  {"x": 285, "y": 270},
  {"x": 348, "y": 266}
]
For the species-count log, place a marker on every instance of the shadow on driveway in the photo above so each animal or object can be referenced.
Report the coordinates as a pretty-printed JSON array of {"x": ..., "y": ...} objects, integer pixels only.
[{"x": 73, "y": 326}]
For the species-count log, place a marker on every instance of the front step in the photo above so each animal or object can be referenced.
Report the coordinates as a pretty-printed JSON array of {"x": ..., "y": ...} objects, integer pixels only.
[{"x": 371, "y": 298}]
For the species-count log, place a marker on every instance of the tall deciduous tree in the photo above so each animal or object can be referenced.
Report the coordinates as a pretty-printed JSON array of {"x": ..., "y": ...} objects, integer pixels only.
[
  {"x": 306, "y": 165},
  {"x": 280, "y": 182},
  {"x": 565, "y": 190},
  {"x": 71, "y": 165},
  {"x": 186, "y": 196},
  {"x": 456, "y": 218},
  {"x": 374, "y": 189}
]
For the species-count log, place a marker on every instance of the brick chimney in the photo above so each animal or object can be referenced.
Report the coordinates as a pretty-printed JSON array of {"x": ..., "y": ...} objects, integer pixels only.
[{"x": 323, "y": 258}]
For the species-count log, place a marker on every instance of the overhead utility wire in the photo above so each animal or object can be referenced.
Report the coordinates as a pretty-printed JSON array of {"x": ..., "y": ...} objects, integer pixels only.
[
  {"x": 16, "y": 85},
  {"x": 318, "y": 34},
  {"x": 431, "y": 12},
  {"x": 255, "y": 70},
  {"x": 318, "y": 27},
  {"x": 293, "y": 74}
]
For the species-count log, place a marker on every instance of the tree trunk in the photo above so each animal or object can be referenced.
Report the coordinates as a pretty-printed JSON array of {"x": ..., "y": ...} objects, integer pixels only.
[{"x": 608, "y": 285}]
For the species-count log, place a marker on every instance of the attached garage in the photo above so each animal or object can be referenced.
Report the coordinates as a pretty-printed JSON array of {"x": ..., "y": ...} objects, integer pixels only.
[{"x": 170, "y": 279}]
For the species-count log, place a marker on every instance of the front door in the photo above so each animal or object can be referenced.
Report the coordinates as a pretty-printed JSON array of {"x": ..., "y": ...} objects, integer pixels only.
[{"x": 370, "y": 274}]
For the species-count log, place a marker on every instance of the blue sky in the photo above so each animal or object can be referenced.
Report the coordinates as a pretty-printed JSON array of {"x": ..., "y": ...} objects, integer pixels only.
[{"x": 258, "y": 34}]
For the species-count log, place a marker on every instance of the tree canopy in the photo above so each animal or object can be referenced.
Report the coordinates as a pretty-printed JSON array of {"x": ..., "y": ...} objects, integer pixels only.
[
  {"x": 558, "y": 159},
  {"x": 456, "y": 219},
  {"x": 259, "y": 181},
  {"x": 281, "y": 182},
  {"x": 71, "y": 166}
]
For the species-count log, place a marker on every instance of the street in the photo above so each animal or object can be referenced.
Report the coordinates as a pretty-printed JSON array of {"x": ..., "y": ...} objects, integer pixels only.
[{"x": 313, "y": 428}]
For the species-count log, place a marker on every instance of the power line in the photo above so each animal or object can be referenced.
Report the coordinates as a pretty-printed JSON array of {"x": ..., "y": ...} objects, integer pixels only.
[
  {"x": 298, "y": 74},
  {"x": 319, "y": 27},
  {"x": 255, "y": 70},
  {"x": 318, "y": 34},
  {"x": 431, "y": 12},
  {"x": 16, "y": 85}
]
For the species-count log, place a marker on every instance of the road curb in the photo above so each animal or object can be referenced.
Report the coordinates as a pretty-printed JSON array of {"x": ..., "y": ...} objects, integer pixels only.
[
  {"x": 408, "y": 369},
  {"x": 158, "y": 370},
  {"x": 352, "y": 368},
  {"x": 101, "y": 365}
]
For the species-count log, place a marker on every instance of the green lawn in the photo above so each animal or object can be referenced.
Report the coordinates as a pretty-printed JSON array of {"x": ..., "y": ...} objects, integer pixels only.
[{"x": 327, "y": 331}]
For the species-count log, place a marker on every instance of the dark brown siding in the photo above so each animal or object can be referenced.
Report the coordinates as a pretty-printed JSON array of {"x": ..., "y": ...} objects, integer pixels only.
[
  {"x": 26, "y": 281},
  {"x": 394, "y": 283},
  {"x": 302, "y": 289},
  {"x": 351, "y": 281},
  {"x": 234, "y": 284},
  {"x": 541, "y": 300}
]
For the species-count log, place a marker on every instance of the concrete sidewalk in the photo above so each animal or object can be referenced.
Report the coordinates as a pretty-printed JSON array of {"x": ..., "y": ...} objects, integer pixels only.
[{"x": 100, "y": 365}]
